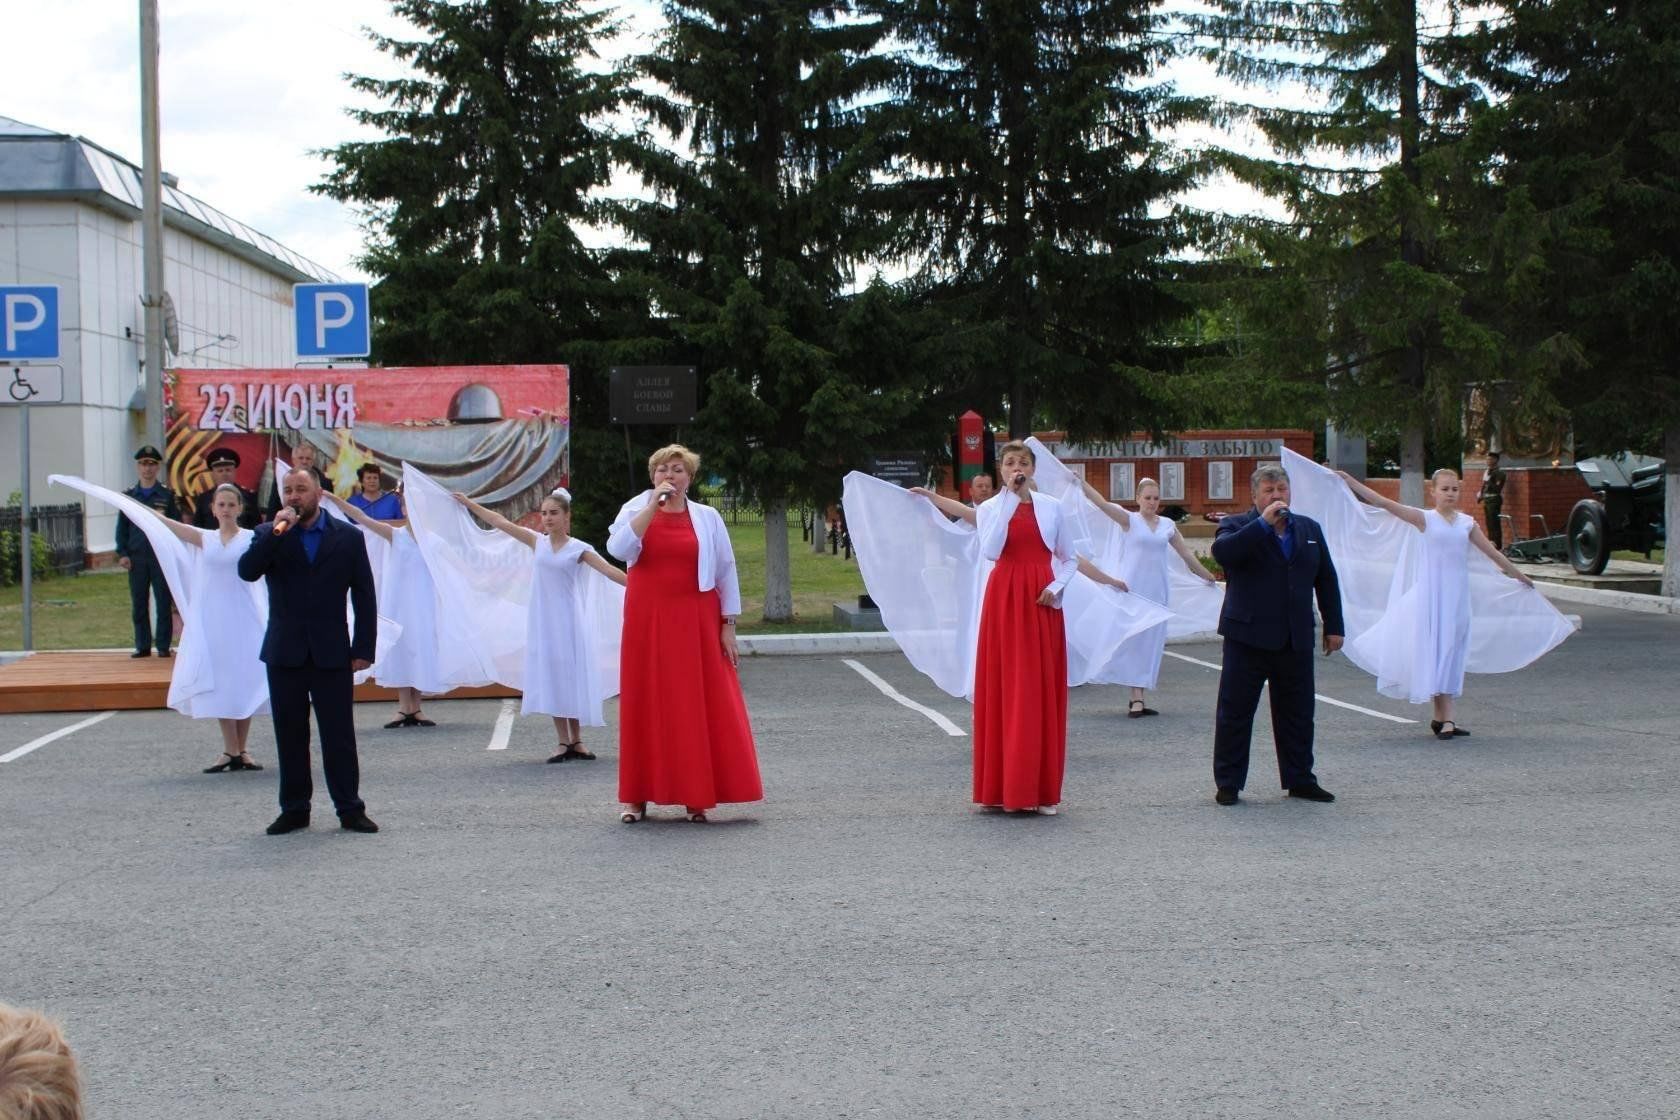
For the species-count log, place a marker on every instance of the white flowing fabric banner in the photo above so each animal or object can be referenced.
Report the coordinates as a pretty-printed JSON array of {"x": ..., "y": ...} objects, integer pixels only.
[
  {"x": 194, "y": 671},
  {"x": 1378, "y": 562},
  {"x": 483, "y": 578},
  {"x": 926, "y": 574},
  {"x": 1195, "y": 604}
]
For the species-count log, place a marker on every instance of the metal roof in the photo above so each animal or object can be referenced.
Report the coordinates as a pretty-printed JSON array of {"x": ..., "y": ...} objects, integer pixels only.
[{"x": 38, "y": 163}]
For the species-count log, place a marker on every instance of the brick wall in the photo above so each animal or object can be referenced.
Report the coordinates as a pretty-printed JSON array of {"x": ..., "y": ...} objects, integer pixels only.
[
  {"x": 1548, "y": 491},
  {"x": 1196, "y": 472}
]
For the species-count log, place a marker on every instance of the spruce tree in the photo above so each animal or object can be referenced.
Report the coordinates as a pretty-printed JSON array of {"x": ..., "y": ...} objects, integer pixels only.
[
  {"x": 1032, "y": 204},
  {"x": 1584, "y": 248},
  {"x": 760, "y": 153},
  {"x": 1362, "y": 286},
  {"x": 476, "y": 193}
]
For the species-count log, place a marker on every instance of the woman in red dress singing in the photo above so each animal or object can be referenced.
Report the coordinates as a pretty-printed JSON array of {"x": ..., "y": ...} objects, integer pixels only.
[
  {"x": 1020, "y": 667},
  {"x": 683, "y": 733}
]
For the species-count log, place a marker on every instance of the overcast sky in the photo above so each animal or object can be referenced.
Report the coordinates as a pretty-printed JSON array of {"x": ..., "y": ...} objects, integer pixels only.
[{"x": 248, "y": 91}]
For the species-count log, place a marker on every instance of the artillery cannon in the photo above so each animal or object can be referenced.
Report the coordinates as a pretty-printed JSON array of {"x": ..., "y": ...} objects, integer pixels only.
[{"x": 1626, "y": 511}]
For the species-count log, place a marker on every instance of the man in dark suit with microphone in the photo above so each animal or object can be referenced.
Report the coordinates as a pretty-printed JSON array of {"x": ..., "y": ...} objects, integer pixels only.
[
  {"x": 1275, "y": 562},
  {"x": 311, "y": 561}
]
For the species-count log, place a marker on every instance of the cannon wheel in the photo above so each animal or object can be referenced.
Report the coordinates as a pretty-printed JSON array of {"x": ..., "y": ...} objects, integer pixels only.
[{"x": 1588, "y": 537}]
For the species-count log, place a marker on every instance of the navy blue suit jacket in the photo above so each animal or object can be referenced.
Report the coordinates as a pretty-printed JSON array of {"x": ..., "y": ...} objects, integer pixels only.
[
  {"x": 306, "y": 617},
  {"x": 1268, "y": 599}
]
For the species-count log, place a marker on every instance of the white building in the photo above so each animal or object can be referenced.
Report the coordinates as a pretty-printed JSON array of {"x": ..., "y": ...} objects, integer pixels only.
[{"x": 70, "y": 216}]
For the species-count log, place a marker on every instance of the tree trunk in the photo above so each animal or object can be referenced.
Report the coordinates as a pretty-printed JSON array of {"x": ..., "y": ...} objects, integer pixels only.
[
  {"x": 1671, "y": 506},
  {"x": 1411, "y": 252},
  {"x": 778, "y": 575},
  {"x": 819, "y": 530},
  {"x": 1411, "y": 465}
]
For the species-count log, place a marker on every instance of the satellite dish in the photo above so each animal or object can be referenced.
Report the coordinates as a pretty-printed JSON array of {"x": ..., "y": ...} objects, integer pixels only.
[{"x": 171, "y": 326}]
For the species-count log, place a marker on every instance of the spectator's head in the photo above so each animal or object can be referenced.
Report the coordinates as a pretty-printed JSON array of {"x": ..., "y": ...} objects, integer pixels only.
[
  {"x": 224, "y": 465},
  {"x": 147, "y": 462},
  {"x": 38, "y": 1079},
  {"x": 981, "y": 487},
  {"x": 1492, "y": 459},
  {"x": 372, "y": 481},
  {"x": 303, "y": 456}
]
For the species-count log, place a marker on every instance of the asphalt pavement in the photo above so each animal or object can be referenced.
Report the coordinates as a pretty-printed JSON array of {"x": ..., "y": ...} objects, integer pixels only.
[{"x": 1486, "y": 928}]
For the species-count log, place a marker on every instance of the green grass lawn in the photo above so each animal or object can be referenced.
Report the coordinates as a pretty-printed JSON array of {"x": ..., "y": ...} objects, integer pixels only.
[
  {"x": 1656, "y": 556},
  {"x": 87, "y": 611},
  {"x": 90, "y": 611},
  {"x": 818, "y": 583}
]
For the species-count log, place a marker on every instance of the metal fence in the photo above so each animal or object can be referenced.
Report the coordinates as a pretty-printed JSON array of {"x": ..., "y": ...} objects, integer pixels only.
[{"x": 61, "y": 527}]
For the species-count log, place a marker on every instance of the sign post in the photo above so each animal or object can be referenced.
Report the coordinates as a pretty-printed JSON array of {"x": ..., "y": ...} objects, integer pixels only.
[
  {"x": 29, "y": 333},
  {"x": 650, "y": 395}
]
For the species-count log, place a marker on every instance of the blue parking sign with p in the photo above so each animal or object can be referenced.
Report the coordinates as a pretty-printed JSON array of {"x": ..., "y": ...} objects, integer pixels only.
[
  {"x": 332, "y": 320},
  {"x": 28, "y": 322}
]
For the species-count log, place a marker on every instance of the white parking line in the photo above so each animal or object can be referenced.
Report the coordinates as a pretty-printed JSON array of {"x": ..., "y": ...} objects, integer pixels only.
[
  {"x": 1317, "y": 695},
  {"x": 892, "y": 693},
  {"x": 36, "y": 744},
  {"x": 504, "y": 727}
]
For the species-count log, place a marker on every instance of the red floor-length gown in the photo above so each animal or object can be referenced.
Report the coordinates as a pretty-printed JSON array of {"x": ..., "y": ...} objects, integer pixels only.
[
  {"x": 683, "y": 733},
  {"x": 1020, "y": 678}
]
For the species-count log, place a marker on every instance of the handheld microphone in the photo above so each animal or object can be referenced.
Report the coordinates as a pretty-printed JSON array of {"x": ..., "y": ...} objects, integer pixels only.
[
  {"x": 1019, "y": 478},
  {"x": 280, "y": 527},
  {"x": 663, "y": 495}
]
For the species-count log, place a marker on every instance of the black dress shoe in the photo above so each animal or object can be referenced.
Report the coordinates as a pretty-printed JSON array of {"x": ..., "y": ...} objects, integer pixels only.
[
  {"x": 1225, "y": 795},
  {"x": 1312, "y": 791},
  {"x": 288, "y": 822},
  {"x": 357, "y": 822},
  {"x": 141, "y": 653}
]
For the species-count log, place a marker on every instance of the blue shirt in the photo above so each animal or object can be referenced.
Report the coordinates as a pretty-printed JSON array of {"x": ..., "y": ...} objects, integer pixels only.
[
  {"x": 312, "y": 536},
  {"x": 146, "y": 492},
  {"x": 383, "y": 508},
  {"x": 1286, "y": 539}
]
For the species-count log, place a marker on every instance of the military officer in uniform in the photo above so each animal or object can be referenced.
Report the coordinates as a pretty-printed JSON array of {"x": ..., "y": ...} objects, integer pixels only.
[
  {"x": 1492, "y": 497},
  {"x": 224, "y": 465},
  {"x": 134, "y": 555}
]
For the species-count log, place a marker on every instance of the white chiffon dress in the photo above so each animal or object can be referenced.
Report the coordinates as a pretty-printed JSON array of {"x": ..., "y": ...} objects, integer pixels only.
[
  {"x": 561, "y": 674},
  {"x": 222, "y": 629},
  {"x": 408, "y": 596},
  {"x": 1422, "y": 609},
  {"x": 1144, "y": 565},
  {"x": 1423, "y": 644}
]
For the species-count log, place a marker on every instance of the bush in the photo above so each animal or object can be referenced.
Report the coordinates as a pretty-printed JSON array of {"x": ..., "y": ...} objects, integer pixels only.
[{"x": 11, "y": 545}]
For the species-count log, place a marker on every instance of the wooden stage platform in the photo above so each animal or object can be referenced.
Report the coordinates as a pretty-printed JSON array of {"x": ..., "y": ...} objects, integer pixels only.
[{"x": 102, "y": 680}]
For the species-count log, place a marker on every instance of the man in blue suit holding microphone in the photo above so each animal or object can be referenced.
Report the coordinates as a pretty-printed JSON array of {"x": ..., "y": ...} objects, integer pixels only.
[
  {"x": 311, "y": 562},
  {"x": 1275, "y": 562}
]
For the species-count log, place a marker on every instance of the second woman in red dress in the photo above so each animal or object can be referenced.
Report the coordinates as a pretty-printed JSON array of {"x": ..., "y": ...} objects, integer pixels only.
[{"x": 1021, "y": 667}]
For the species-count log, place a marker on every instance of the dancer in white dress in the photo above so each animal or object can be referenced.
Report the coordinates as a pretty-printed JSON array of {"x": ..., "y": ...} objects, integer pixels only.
[
  {"x": 1435, "y": 640},
  {"x": 561, "y": 677},
  {"x": 408, "y": 597},
  {"x": 222, "y": 632},
  {"x": 1144, "y": 567}
]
